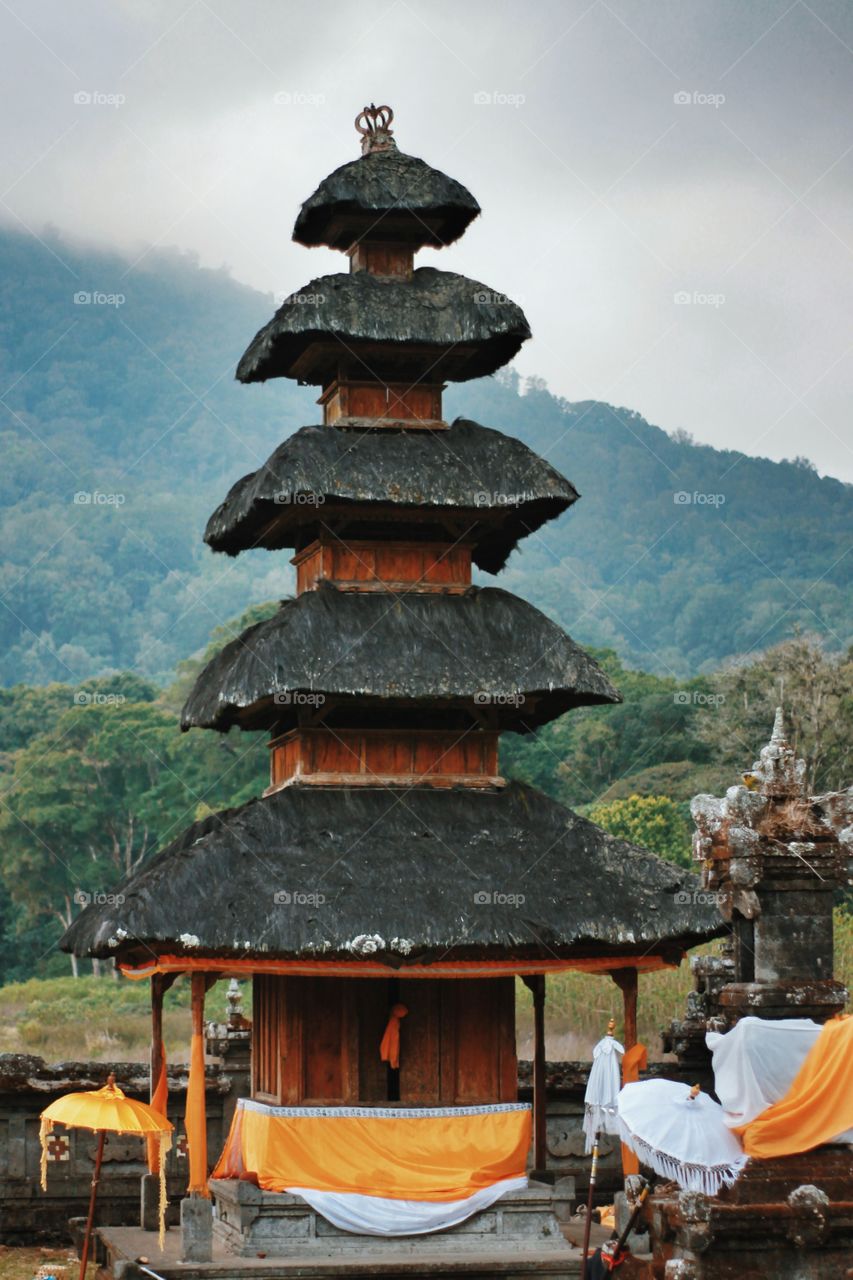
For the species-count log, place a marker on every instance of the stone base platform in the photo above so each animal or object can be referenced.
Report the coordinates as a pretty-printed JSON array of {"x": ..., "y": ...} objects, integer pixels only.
[
  {"x": 276, "y": 1236},
  {"x": 124, "y": 1245},
  {"x": 248, "y": 1221}
]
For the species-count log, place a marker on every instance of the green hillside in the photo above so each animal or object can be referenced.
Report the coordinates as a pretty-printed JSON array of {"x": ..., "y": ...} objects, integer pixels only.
[{"x": 127, "y": 402}]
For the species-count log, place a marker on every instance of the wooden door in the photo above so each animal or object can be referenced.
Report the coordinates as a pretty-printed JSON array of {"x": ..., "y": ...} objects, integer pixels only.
[
  {"x": 316, "y": 1041},
  {"x": 458, "y": 1041},
  {"x": 311, "y": 1039}
]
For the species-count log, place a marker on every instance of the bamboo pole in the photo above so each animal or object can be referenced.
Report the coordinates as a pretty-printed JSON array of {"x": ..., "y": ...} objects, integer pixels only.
[{"x": 96, "y": 1177}]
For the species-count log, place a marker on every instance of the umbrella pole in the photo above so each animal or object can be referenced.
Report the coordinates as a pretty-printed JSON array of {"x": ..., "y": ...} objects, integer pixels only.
[
  {"x": 632, "y": 1221},
  {"x": 587, "y": 1226},
  {"x": 96, "y": 1177}
]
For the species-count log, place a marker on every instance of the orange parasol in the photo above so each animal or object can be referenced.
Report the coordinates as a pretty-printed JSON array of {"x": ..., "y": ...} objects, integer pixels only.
[{"x": 104, "y": 1111}]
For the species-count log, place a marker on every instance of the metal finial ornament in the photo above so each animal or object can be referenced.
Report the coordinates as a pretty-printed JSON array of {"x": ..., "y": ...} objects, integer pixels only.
[{"x": 374, "y": 125}]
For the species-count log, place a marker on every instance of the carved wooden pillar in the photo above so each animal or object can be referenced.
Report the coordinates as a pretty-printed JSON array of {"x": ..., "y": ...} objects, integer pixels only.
[
  {"x": 536, "y": 984},
  {"x": 626, "y": 981},
  {"x": 160, "y": 984}
]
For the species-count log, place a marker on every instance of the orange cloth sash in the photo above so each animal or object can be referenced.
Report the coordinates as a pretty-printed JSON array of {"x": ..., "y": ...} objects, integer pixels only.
[
  {"x": 439, "y": 1154},
  {"x": 818, "y": 1105},
  {"x": 372, "y": 969},
  {"x": 389, "y": 1049},
  {"x": 635, "y": 1060},
  {"x": 196, "y": 1121},
  {"x": 160, "y": 1102}
]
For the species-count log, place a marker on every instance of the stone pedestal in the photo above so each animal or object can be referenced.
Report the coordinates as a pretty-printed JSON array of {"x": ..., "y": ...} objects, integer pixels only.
[
  {"x": 638, "y": 1241},
  {"x": 196, "y": 1229},
  {"x": 149, "y": 1202},
  {"x": 250, "y": 1221},
  {"x": 790, "y": 1218}
]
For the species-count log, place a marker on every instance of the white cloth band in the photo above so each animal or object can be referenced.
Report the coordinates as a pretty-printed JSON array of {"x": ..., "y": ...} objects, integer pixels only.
[
  {"x": 376, "y": 1216},
  {"x": 381, "y": 1113}
]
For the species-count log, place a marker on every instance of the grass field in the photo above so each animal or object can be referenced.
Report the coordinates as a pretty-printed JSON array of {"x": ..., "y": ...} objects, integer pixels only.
[
  {"x": 98, "y": 1019},
  {"x": 102, "y": 1019},
  {"x": 579, "y": 1005}
]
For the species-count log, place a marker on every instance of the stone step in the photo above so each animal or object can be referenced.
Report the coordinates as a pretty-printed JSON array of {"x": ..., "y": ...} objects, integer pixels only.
[{"x": 124, "y": 1245}]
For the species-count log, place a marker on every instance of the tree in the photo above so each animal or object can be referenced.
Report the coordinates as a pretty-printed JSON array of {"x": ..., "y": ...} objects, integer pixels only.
[
  {"x": 655, "y": 822},
  {"x": 592, "y": 763},
  {"x": 104, "y": 785},
  {"x": 814, "y": 687},
  {"x": 77, "y": 816}
]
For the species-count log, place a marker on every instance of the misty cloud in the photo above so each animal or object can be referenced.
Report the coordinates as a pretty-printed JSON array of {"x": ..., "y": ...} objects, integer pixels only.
[{"x": 665, "y": 183}]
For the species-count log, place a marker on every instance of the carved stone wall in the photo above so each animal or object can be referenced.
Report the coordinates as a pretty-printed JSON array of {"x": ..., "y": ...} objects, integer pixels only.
[{"x": 28, "y": 1085}]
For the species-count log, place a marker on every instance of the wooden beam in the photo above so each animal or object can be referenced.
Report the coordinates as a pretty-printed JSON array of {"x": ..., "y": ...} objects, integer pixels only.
[
  {"x": 626, "y": 980},
  {"x": 160, "y": 984},
  {"x": 195, "y": 1119},
  {"x": 199, "y": 988},
  {"x": 536, "y": 983}
]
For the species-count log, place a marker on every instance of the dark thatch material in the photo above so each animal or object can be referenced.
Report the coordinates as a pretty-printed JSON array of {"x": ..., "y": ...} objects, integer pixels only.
[
  {"x": 480, "y": 649},
  {"x": 399, "y": 877},
  {"x": 498, "y": 488},
  {"x": 386, "y": 194},
  {"x": 436, "y": 322}
]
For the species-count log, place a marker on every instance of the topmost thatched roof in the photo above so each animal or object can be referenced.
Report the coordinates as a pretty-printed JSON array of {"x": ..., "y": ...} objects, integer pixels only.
[{"x": 386, "y": 195}]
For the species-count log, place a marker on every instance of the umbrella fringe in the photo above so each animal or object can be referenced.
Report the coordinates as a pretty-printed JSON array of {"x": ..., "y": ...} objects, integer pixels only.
[
  {"x": 45, "y": 1128},
  {"x": 165, "y": 1148},
  {"x": 709, "y": 1179},
  {"x": 598, "y": 1119}
]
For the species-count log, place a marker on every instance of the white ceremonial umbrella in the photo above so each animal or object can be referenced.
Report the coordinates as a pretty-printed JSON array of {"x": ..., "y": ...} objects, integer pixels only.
[
  {"x": 602, "y": 1088},
  {"x": 681, "y": 1133}
]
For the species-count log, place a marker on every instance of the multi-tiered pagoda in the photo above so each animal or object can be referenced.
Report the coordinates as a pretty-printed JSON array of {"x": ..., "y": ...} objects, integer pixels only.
[{"x": 389, "y": 886}]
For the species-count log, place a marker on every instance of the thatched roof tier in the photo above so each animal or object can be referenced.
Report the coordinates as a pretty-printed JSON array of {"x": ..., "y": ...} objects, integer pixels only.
[
  {"x": 386, "y": 195},
  {"x": 402, "y": 877},
  {"x": 490, "y": 487},
  {"x": 359, "y": 325},
  {"x": 485, "y": 649}
]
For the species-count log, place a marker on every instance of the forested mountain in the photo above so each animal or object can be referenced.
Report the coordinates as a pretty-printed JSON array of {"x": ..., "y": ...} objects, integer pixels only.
[{"x": 122, "y": 428}]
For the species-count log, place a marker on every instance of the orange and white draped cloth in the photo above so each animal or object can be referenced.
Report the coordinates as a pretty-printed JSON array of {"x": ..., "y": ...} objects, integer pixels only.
[
  {"x": 786, "y": 1087},
  {"x": 386, "y": 1171}
]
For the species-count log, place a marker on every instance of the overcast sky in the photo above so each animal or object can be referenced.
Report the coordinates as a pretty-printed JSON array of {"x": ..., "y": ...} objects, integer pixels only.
[{"x": 626, "y": 153}]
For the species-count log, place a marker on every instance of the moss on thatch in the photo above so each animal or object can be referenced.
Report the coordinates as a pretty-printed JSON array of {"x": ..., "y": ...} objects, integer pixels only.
[
  {"x": 485, "y": 649},
  {"x": 403, "y": 877},
  {"x": 437, "y": 322},
  {"x": 386, "y": 193},
  {"x": 491, "y": 486}
]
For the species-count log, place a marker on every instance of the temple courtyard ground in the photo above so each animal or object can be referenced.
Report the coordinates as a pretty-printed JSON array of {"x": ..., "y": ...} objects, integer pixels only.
[{"x": 25, "y": 1263}]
